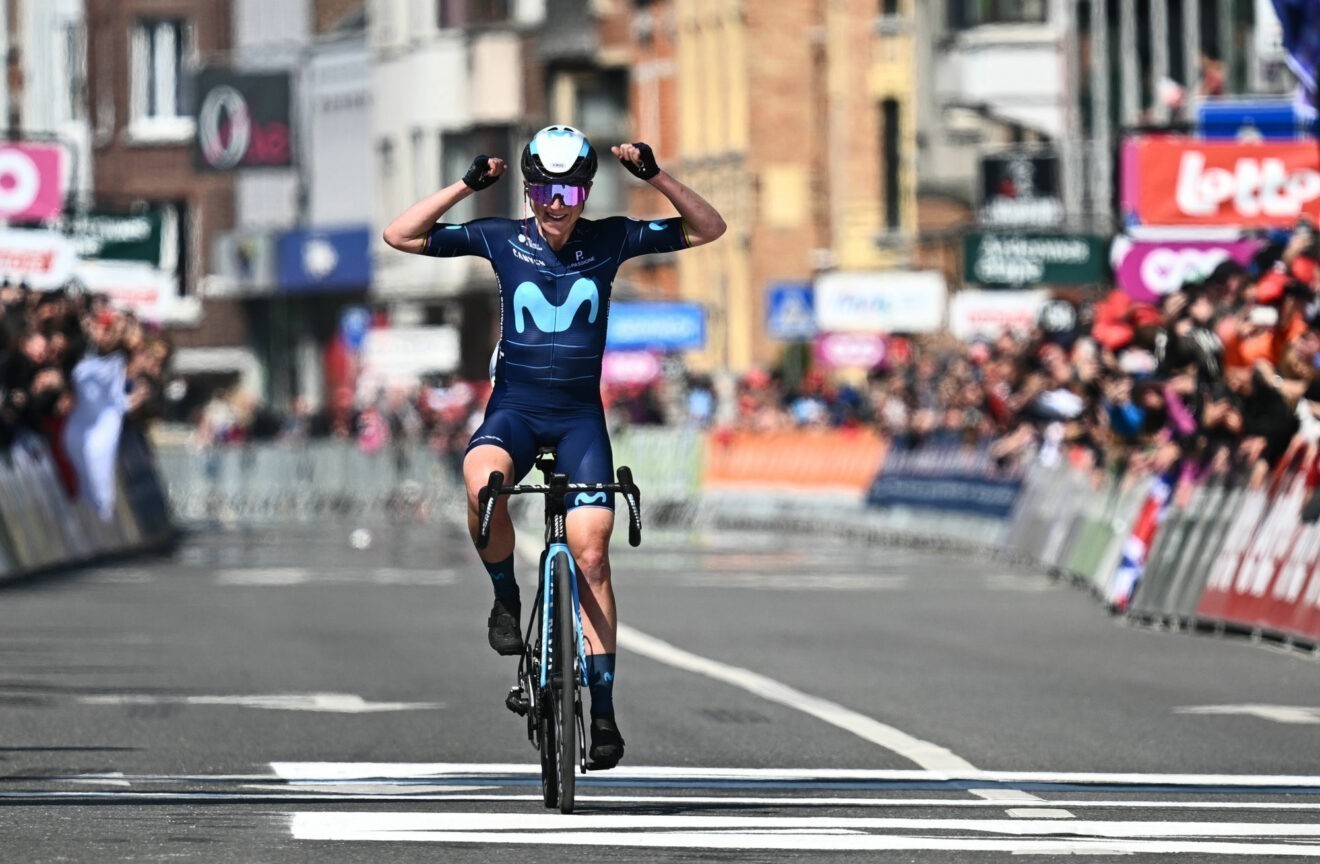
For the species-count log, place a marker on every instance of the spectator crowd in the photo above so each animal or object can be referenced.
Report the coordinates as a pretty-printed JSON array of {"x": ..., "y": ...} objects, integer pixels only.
[
  {"x": 1219, "y": 376},
  {"x": 72, "y": 370}
]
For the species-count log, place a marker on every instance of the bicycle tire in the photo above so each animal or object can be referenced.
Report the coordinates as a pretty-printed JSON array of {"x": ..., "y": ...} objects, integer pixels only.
[
  {"x": 545, "y": 715},
  {"x": 565, "y": 675}
]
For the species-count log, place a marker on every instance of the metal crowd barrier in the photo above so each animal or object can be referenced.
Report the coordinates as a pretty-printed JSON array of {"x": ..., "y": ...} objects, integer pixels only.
[{"x": 42, "y": 528}]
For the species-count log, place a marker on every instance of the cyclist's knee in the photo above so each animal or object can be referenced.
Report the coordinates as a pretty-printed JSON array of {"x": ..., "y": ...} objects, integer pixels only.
[{"x": 593, "y": 563}]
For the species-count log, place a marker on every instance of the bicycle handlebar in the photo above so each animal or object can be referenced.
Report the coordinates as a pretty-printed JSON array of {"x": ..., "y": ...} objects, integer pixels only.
[{"x": 494, "y": 488}]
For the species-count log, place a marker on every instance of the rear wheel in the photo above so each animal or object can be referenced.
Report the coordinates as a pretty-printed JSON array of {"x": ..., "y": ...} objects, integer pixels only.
[{"x": 564, "y": 680}]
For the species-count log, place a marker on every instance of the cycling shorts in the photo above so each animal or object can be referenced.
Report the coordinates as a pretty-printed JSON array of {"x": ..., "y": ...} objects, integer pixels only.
[{"x": 578, "y": 434}]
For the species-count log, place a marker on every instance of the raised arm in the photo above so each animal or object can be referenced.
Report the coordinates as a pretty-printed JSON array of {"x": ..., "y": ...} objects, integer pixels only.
[
  {"x": 703, "y": 223},
  {"x": 408, "y": 231}
]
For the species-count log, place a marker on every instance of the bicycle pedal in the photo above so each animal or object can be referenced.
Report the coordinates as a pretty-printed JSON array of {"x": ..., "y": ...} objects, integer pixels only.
[{"x": 517, "y": 702}]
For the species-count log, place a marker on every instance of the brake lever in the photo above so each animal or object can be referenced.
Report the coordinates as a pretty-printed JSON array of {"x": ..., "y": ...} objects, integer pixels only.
[{"x": 633, "y": 496}]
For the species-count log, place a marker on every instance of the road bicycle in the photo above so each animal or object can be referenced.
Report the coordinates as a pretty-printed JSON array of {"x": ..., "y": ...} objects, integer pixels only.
[{"x": 553, "y": 668}]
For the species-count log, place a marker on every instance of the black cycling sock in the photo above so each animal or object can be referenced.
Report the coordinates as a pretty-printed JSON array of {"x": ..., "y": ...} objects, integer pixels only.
[
  {"x": 600, "y": 678},
  {"x": 501, "y": 577}
]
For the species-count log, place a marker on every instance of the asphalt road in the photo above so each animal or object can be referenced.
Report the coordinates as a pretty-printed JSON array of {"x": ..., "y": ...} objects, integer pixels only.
[{"x": 276, "y": 693}]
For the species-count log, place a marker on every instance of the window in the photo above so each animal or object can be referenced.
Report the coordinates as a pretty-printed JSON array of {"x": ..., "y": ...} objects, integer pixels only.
[
  {"x": 160, "y": 100},
  {"x": 458, "y": 149},
  {"x": 468, "y": 13},
  {"x": 965, "y": 14},
  {"x": 75, "y": 66},
  {"x": 892, "y": 152}
]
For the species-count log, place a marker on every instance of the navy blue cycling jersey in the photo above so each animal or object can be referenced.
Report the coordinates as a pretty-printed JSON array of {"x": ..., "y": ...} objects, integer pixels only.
[{"x": 554, "y": 307}]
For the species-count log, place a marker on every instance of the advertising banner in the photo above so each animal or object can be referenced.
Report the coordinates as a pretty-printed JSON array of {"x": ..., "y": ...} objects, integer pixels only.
[
  {"x": 1021, "y": 188},
  {"x": 1267, "y": 575},
  {"x": 631, "y": 368},
  {"x": 897, "y": 301},
  {"x": 1002, "y": 258},
  {"x": 43, "y": 259},
  {"x": 824, "y": 459},
  {"x": 946, "y": 477},
  {"x": 314, "y": 260},
  {"x": 1183, "y": 181},
  {"x": 138, "y": 288},
  {"x": 1148, "y": 270},
  {"x": 243, "y": 120},
  {"x": 31, "y": 181},
  {"x": 990, "y": 314},
  {"x": 849, "y": 350},
  {"x": 656, "y": 327}
]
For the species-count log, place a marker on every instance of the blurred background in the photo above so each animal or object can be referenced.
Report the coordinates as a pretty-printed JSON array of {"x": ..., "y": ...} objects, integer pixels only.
[
  {"x": 984, "y": 220},
  {"x": 890, "y": 171}
]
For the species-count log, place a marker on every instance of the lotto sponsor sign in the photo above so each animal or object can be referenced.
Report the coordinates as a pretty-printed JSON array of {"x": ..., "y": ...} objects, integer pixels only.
[
  {"x": 1183, "y": 181},
  {"x": 1267, "y": 576}
]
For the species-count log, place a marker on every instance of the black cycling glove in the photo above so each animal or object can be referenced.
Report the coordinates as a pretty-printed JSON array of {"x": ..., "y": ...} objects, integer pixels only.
[
  {"x": 476, "y": 177},
  {"x": 648, "y": 168}
]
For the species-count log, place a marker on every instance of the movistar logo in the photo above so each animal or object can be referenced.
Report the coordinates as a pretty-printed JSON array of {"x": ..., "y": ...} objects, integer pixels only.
[
  {"x": 593, "y": 498},
  {"x": 656, "y": 226},
  {"x": 545, "y": 315}
]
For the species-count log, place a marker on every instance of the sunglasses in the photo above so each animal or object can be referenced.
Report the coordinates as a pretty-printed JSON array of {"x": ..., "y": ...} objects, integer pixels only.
[{"x": 542, "y": 194}]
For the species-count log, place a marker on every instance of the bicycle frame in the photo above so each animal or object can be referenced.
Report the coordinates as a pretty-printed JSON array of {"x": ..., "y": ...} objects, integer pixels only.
[{"x": 551, "y": 705}]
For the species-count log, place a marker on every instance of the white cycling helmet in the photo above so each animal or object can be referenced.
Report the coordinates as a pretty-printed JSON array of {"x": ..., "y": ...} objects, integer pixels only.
[{"x": 559, "y": 154}]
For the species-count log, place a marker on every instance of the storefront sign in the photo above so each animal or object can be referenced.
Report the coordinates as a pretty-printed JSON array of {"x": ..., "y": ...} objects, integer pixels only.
[
  {"x": 1183, "y": 181},
  {"x": 1020, "y": 188},
  {"x": 1033, "y": 259},
  {"x": 323, "y": 260},
  {"x": 897, "y": 301},
  {"x": 31, "y": 178},
  {"x": 242, "y": 120},
  {"x": 116, "y": 236},
  {"x": 1147, "y": 270}
]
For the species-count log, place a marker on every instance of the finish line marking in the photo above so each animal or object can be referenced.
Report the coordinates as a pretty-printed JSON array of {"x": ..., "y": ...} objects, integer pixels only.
[{"x": 814, "y": 833}]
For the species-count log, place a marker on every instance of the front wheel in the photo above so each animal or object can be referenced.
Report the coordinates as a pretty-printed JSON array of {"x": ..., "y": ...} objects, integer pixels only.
[{"x": 563, "y": 681}]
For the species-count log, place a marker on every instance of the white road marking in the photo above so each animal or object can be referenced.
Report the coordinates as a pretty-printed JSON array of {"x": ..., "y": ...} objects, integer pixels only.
[
  {"x": 643, "y": 775},
  {"x": 331, "y": 703},
  {"x": 112, "y": 778},
  {"x": 1290, "y": 714},
  {"x": 811, "y": 833},
  {"x": 924, "y": 753},
  {"x": 280, "y": 577}
]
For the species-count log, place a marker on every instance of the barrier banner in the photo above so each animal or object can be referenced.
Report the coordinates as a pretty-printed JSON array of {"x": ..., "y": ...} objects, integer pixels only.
[
  {"x": 1267, "y": 576},
  {"x": 946, "y": 477},
  {"x": 816, "y": 459}
]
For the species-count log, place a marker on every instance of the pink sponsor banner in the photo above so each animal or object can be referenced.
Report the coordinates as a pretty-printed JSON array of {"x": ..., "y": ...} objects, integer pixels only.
[
  {"x": 31, "y": 177},
  {"x": 849, "y": 350},
  {"x": 635, "y": 368},
  {"x": 1148, "y": 270}
]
